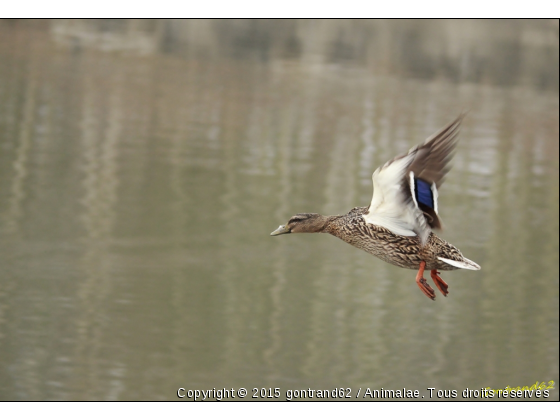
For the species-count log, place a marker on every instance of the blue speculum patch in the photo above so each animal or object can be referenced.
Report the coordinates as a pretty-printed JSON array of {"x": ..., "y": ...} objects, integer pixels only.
[{"x": 424, "y": 193}]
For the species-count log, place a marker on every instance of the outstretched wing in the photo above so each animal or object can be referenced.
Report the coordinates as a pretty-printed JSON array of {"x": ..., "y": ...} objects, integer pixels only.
[{"x": 405, "y": 189}]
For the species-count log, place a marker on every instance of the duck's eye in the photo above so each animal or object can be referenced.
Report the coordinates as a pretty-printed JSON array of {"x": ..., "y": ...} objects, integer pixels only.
[{"x": 298, "y": 218}]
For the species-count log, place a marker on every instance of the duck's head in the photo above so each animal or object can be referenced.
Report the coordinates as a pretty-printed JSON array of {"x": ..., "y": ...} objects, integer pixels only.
[{"x": 303, "y": 223}]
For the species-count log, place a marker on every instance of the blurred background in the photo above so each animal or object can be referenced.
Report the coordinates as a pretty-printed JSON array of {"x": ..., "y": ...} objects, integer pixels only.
[{"x": 143, "y": 164}]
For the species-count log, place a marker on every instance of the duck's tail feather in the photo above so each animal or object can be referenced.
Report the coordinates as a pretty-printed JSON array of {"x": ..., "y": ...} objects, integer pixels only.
[{"x": 465, "y": 263}]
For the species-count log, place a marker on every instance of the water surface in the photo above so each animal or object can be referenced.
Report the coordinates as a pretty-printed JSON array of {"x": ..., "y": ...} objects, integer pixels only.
[{"x": 143, "y": 165}]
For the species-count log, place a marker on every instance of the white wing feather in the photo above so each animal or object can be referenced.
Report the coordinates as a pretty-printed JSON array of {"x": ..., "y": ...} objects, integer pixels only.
[
  {"x": 389, "y": 206},
  {"x": 395, "y": 205}
]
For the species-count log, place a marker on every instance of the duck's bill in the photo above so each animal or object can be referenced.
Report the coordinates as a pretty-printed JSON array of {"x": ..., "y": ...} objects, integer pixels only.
[{"x": 280, "y": 231}]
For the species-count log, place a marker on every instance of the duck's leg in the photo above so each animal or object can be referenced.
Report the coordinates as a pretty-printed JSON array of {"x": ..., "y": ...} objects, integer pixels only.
[
  {"x": 441, "y": 285},
  {"x": 423, "y": 284}
]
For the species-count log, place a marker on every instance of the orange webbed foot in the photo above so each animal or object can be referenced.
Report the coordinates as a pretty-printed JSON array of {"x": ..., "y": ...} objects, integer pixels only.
[
  {"x": 423, "y": 284},
  {"x": 440, "y": 284}
]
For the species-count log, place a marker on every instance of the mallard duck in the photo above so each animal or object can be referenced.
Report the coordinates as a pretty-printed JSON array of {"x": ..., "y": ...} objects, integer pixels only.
[{"x": 397, "y": 225}]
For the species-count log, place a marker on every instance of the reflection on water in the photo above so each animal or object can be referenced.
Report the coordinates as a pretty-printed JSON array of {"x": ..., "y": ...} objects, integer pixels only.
[{"x": 143, "y": 164}]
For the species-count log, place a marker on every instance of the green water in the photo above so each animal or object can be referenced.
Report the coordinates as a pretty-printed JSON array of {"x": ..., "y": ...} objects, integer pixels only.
[{"x": 143, "y": 165}]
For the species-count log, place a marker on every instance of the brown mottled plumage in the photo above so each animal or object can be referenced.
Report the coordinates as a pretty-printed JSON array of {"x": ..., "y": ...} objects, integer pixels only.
[
  {"x": 402, "y": 251},
  {"x": 396, "y": 227}
]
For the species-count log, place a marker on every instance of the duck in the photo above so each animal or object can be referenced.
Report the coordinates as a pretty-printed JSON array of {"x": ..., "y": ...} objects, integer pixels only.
[{"x": 398, "y": 224}]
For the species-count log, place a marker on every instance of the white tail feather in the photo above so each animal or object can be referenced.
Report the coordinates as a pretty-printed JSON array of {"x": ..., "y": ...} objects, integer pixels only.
[{"x": 466, "y": 263}]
